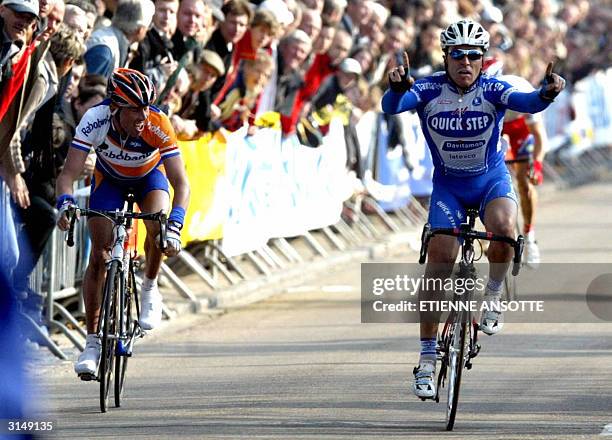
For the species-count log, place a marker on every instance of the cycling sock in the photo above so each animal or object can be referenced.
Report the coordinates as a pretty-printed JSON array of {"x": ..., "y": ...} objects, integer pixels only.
[
  {"x": 148, "y": 284},
  {"x": 92, "y": 338},
  {"x": 527, "y": 229},
  {"x": 494, "y": 287},
  {"x": 530, "y": 234},
  {"x": 428, "y": 350}
]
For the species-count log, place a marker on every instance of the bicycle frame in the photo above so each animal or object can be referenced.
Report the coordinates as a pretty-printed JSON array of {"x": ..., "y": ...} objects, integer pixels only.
[{"x": 458, "y": 342}]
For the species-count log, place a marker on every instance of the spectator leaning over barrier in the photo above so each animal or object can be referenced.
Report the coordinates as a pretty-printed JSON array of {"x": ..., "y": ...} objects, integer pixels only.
[
  {"x": 108, "y": 48},
  {"x": 154, "y": 54},
  {"x": 238, "y": 15},
  {"x": 292, "y": 52},
  {"x": 240, "y": 103},
  {"x": 199, "y": 114},
  {"x": 322, "y": 67},
  {"x": 128, "y": 119},
  {"x": 325, "y": 101},
  {"x": 42, "y": 166}
]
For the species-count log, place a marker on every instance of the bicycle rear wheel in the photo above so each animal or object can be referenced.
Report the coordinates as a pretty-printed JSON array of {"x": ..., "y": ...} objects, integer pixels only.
[
  {"x": 121, "y": 362},
  {"x": 109, "y": 327},
  {"x": 457, "y": 351}
]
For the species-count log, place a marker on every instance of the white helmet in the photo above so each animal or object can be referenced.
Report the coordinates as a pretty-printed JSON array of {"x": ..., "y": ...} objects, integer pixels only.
[{"x": 465, "y": 32}]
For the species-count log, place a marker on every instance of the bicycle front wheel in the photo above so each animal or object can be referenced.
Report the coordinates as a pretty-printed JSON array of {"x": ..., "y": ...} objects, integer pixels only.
[
  {"x": 456, "y": 361},
  {"x": 109, "y": 331}
]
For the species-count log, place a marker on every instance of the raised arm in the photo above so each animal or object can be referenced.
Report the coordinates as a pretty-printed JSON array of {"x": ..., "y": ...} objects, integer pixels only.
[
  {"x": 538, "y": 100},
  {"x": 398, "y": 97}
]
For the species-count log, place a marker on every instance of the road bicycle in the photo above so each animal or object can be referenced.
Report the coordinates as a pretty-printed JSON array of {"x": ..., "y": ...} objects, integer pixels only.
[
  {"x": 458, "y": 343},
  {"x": 118, "y": 326}
]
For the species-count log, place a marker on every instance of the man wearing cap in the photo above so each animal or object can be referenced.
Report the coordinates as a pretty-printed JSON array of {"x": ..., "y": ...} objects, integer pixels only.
[
  {"x": 108, "y": 47},
  {"x": 197, "y": 105}
]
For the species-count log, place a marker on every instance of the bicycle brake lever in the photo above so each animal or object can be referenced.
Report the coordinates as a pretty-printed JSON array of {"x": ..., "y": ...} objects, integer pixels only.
[{"x": 70, "y": 238}]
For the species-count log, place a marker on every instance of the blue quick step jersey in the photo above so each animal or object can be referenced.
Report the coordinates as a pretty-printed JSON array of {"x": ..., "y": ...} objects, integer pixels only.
[{"x": 463, "y": 130}]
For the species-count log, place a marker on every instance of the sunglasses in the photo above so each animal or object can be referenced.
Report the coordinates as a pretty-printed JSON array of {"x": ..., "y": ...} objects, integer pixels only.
[{"x": 472, "y": 54}]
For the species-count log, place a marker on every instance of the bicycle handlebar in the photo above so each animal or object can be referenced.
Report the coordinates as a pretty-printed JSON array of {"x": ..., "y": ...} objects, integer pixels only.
[
  {"x": 465, "y": 231},
  {"x": 117, "y": 216}
]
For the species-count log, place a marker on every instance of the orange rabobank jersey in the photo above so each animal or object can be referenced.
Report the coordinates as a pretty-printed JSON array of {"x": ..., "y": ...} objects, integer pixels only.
[{"x": 131, "y": 158}]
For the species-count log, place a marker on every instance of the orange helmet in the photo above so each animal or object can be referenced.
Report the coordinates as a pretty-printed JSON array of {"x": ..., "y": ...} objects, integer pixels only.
[{"x": 130, "y": 88}]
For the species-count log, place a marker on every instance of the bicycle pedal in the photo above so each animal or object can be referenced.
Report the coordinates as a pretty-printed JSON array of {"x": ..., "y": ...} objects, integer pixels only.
[
  {"x": 87, "y": 377},
  {"x": 468, "y": 365}
]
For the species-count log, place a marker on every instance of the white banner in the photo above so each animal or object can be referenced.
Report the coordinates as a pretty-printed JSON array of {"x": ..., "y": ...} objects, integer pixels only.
[{"x": 282, "y": 189}]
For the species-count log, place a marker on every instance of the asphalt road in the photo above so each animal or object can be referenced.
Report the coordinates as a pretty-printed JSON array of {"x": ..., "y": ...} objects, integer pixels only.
[{"x": 301, "y": 365}]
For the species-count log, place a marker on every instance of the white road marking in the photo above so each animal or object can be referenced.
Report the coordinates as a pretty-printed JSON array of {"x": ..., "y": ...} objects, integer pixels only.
[
  {"x": 301, "y": 289},
  {"x": 607, "y": 430},
  {"x": 339, "y": 288}
]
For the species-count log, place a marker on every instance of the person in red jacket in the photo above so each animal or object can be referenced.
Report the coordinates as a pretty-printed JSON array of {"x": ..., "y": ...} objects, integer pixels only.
[{"x": 322, "y": 67}]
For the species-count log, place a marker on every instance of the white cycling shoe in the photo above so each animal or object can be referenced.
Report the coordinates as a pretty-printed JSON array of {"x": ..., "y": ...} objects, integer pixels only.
[
  {"x": 424, "y": 380},
  {"x": 150, "y": 308},
  {"x": 532, "y": 254},
  {"x": 491, "y": 321},
  {"x": 87, "y": 363}
]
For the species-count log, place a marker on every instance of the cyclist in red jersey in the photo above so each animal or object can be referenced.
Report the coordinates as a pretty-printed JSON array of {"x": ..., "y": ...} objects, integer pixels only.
[
  {"x": 136, "y": 152},
  {"x": 525, "y": 134}
]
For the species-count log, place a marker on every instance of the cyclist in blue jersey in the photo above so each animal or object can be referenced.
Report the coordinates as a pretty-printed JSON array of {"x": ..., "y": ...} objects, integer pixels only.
[{"x": 461, "y": 112}]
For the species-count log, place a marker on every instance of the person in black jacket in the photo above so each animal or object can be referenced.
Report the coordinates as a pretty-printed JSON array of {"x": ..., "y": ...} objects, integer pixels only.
[
  {"x": 154, "y": 56},
  {"x": 238, "y": 15},
  {"x": 193, "y": 19}
]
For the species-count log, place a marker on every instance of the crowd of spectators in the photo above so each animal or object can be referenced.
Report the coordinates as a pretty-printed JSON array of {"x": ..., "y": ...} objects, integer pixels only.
[{"x": 223, "y": 63}]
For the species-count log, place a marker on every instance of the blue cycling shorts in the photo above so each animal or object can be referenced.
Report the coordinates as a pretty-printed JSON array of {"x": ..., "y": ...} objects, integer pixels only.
[
  {"x": 108, "y": 194},
  {"x": 452, "y": 195}
]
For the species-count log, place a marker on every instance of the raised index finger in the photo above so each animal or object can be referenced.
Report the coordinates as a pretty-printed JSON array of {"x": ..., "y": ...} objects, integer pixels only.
[
  {"x": 549, "y": 69},
  {"x": 406, "y": 61}
]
